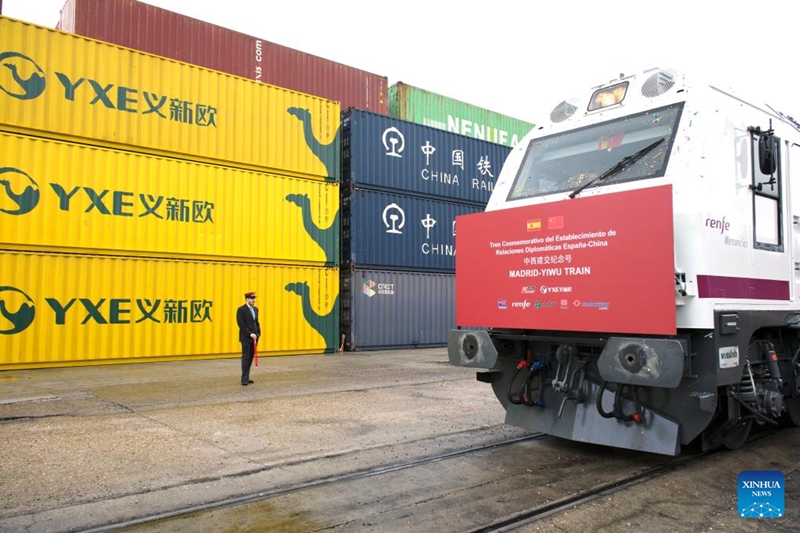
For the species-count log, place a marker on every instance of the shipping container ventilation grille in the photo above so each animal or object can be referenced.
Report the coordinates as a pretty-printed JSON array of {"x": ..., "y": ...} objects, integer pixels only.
[
  {"x": 563, "y": 111},
  {"x": 658, "y": 83}
]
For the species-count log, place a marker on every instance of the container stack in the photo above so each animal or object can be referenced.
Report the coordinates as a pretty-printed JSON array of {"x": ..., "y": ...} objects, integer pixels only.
[
  {"x": 403, "y": 185},
  {"x": 424, "y": 259},
  {"x": 149, "y": 180},
  {"x": 140, "y": 198}
]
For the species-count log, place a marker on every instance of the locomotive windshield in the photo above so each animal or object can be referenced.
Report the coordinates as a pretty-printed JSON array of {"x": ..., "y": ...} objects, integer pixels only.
[{"x": 567, "y": 161}]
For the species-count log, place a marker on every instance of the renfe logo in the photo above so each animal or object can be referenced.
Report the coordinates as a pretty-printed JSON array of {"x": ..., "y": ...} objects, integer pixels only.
[{"x": 721, "y": 225}]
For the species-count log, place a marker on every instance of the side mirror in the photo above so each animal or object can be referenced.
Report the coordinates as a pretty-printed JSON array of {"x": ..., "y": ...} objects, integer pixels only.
[{"x": 767, "y": 154}]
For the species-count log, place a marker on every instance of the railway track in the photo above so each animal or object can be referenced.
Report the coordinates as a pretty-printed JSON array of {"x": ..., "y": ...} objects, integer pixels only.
[
  {"x": 444, "y": 492},
  {"x": 527, "y": 516},
  {"x": 516, "y": 520},
  {"x": 317, "y": 483}
]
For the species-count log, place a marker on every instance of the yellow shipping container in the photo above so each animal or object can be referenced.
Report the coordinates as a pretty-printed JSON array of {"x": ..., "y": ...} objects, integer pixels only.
[
  {"x": 60, "y": 84},
  {"x": 67, "y": 197},
  {"x": 58, "y": 310}
]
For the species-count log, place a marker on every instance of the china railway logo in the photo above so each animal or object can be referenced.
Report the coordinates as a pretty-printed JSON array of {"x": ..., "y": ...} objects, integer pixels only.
[
  {"x": 394, "y": 218},
  {"x": 21, "y": 313},
  {"x": 394, "y": 142},
  {"x": 20, "y": 190},
  {"x": 25, "y": 79}
]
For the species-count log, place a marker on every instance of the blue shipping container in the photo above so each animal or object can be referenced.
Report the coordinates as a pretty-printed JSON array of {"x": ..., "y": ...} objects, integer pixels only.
[
  {"x": 380, "y": 152},
  {"x": 384, "y": 309},
  {"x": 395, "y": 231}
]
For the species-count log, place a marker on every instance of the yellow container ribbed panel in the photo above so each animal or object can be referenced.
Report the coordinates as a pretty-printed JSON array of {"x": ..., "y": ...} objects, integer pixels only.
[
  {"x": 67, "y": 197},
  {"x": 60, "y": 84},
  {"x": 59, "y": 309}
]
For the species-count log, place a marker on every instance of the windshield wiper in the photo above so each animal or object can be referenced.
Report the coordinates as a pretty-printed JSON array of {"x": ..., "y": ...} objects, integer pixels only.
[{"x": 619, "y": 167}]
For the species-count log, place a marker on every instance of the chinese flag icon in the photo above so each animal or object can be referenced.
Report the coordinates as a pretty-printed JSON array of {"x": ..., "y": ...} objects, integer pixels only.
[{"x": 555, "y": 222}]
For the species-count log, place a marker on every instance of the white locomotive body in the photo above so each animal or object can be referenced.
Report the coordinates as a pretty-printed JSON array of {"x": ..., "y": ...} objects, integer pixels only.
[{"x": 634, "y": 279}]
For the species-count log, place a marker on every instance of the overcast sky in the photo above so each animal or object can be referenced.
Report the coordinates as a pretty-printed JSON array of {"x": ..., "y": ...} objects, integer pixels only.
[{"x": 520, "y": 57}]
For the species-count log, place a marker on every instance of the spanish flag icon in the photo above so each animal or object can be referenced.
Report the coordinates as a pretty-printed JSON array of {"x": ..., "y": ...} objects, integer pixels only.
[{"x": 535, "y": 225}]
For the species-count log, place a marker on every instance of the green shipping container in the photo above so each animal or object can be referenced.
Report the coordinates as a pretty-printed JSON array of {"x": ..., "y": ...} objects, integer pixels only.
[{"x": 430, "y": 109}]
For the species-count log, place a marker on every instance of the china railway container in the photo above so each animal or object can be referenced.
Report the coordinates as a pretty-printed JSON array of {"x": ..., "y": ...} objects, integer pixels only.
[
  {"x": 68, "y": 197},
  {"x": 407, "y": 102},
  {"x": 60, "y": 309},
  {"x": 394, "y": 231},
  {"x": 56, "y": 84},
  {"x": 384, "y": 309},
  {"x": 384, "y": 153},
  {"x": 161, "y": 32}
]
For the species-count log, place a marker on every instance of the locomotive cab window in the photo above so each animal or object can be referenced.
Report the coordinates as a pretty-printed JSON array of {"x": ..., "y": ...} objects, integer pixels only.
[
  {"x": 565, "y": 161},
  {"x": 767, "y": 193}
]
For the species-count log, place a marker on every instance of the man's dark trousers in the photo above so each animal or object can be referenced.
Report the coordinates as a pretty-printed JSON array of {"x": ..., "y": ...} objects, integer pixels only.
[{"x": 247, "y": 358}]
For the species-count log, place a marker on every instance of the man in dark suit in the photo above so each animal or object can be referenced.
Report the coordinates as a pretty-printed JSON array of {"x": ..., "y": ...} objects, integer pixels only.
[{"x": 249, "y": 333}]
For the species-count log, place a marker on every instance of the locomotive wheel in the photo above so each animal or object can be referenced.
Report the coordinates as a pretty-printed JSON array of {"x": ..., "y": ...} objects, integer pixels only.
[
  {"x": 736, "y": 437},
  {"x": 792, "y": 416}
]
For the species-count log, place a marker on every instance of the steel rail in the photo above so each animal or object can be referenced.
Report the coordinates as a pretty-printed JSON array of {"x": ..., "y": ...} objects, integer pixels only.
[
  {"x": 329, "y": 480},
  {"x": 534, "y": 514}
]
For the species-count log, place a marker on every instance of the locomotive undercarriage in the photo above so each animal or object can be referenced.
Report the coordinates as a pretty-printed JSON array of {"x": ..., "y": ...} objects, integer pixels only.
[
  {"x": 641, "y": 393},
  {"x": 768, "y": 392}
]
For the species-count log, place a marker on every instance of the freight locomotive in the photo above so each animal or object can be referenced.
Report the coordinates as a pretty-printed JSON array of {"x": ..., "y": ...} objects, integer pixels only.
[{"x": 634, "y": 281}]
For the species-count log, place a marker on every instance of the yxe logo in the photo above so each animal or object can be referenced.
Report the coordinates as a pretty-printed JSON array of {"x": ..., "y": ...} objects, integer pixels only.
[
  {"x": 761, "y": 494},
  {"x": 17, "y": 315},
  {"x": 98, "y": 201},
  {"x": 25, "y": 79},
  {"x": 20, "y": 189},
  {"x": 17, "y": 311}
]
